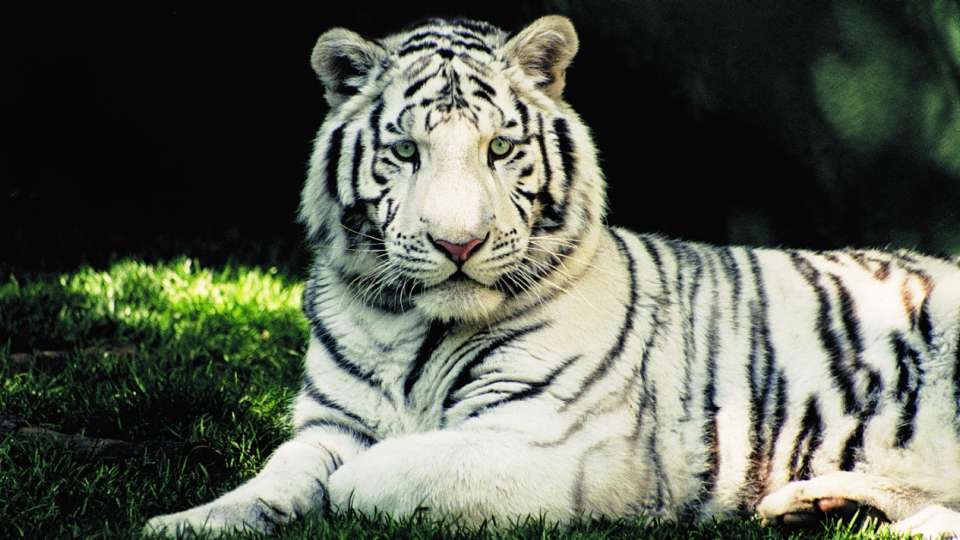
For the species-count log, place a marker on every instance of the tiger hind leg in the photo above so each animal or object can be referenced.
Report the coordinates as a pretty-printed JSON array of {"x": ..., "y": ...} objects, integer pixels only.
[{"x": 912, "y": 510}]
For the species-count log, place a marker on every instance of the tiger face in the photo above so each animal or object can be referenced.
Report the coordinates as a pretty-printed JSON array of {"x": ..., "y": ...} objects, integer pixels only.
[{"x": 449, "y": 175}]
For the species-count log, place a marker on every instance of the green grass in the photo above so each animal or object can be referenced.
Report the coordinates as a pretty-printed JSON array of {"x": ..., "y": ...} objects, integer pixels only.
[{"x": 192, "y": 369}]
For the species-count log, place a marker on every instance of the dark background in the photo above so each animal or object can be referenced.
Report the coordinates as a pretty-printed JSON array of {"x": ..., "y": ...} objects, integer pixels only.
[{"x": 186, "y": 131}]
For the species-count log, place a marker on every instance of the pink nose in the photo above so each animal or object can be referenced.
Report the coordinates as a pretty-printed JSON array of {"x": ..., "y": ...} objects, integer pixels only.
[{"x": 459, "y": 252}]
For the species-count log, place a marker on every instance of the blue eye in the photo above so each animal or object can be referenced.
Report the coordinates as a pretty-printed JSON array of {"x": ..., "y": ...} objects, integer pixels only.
[{"x": 405, "y": 150}]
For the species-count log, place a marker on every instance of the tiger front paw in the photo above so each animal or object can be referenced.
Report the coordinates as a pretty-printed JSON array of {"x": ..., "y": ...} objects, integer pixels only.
[
  {"x": 801, "y": 504},
  {"x": 217, "y": 519}
]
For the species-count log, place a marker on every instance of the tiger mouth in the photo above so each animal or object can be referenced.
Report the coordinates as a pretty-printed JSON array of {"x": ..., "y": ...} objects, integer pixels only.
[{"x": 459, "y": 277}]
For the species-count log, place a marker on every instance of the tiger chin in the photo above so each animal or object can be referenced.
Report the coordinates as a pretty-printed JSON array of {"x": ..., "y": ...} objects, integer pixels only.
[
  {"x": 460, "y": 300},
  {"x": 484, "y": 346}
]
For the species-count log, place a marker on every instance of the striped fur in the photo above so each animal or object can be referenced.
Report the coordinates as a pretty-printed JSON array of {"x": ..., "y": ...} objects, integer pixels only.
[{"x": 566, "y": 368}]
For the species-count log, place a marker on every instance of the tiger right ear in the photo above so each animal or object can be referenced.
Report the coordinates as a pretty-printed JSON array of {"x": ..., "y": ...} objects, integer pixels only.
[
  {"x": 343, "y": 59},
  {"x": 544, "y": 50}
]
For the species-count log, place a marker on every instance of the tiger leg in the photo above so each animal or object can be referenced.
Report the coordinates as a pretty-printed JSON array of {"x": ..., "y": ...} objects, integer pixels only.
[
  {"x": 292, "y": 482},
  {"x": 470, "y": 475},
  {"x": 912, "y": 509}
]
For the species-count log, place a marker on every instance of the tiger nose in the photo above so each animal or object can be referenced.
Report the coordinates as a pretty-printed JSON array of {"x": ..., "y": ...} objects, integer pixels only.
[{"x": 458, "y": 253}]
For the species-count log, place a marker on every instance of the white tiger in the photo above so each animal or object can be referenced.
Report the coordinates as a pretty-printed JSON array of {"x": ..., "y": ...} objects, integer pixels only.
[{"x": 484, "y": 346}]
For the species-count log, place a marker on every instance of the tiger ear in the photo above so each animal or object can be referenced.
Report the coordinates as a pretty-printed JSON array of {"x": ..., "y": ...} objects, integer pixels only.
[
  {"x": 343, "y": 59},
  {"x": 543, "y": 50}
]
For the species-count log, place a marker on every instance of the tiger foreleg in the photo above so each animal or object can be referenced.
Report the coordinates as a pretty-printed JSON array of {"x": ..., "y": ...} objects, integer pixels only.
[
  {"x": 911, "y": 508},
  {"x": 467, "y": 475},
  {"x": 292, "y": 482}
]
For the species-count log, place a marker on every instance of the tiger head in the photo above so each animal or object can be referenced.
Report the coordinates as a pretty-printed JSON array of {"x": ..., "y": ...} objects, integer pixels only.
[{"x": 449, "y": 175}]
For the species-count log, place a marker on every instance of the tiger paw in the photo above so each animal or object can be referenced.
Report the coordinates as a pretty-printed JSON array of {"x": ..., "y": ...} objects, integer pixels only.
[
  {"x": 797, "y": 504},
  {"x": 933, "y": 521},
  {"x": 217, "y": 519},
  {"x": 386, "y": 478}
]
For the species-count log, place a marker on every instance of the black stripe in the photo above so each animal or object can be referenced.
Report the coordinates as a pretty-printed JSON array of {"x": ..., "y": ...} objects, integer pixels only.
[
  {"x": 811, "y": 435},
  {"x": 903, "y": 370},
  {"x": 418, "y": 84},
  {"x": 547, "y": 171},
  {"x": 779, "y": 416},
  {"x": 391, "y": 214},
  {"x": 409, "y": 49},
  {"x": 533, "y": 390},
  {"x": 850, "y": 452},
  {"x": 550, "y": 209},
  {"x": 851, "y": 449},
  {"x": 363, "y": 438},
  {"x": 711, "y": 441},
  {"x": 479, "y": 27},
  {"x": 523, "y": 112},
  {"x": 332, "y": 347},
  {"x": 906, "y": 428},
  {"x": 525, "y": 172},
  {"x": 625, "y": 327},
  {"x": 466, "y": 372},
  {"x": 657, "y": 469},
  {"x": 484, "y": 96},
  {"x": 375, "y": 124},
  {"x": 329, "y": 342},
  {"x": 526, "y": 194},
  {"x": 483, "y": 86},
  {"x": 524, "y": 216},
  {"x": 333, "y": 162},
  {"x": 761, "y": 382},
  {"x": 517, "y": 156},
  {"x": 848, "y": 456},
  {"x": 471, "y": 46},
  {"x": 432, "y": 339},
  {"x": 468, "y": 35},
  {"x": 849, "y": 315},
  {"x": 423, "y": 35},
  {"x": 311, "y": 391},
  {"x": 686, "y": 258},
  {"x": 841, "y": 376},
  {"x": 647, "y": 399},
  {"x": 566, "y": 147},
  {"x": 760, "y": 379},
  {"x": 925, "y": 324},
  {"x": 355, "y": 170},
  {"x": 464, "y": 348},
  {"x": 732, "y": 270},
  {"x": 654, "y": 254}
]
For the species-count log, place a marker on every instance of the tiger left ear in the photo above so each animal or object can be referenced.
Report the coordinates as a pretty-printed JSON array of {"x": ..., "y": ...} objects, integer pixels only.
[
  {"x": 543, "y": 50},
  {"x": 343, "y": 59}
]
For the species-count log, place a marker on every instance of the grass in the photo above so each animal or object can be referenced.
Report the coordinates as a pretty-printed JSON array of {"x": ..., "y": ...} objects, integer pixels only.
[{"x": 186, "y": 372}]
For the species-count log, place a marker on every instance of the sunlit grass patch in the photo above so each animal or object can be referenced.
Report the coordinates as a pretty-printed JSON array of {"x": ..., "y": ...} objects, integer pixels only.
[{"x": 233, "y": 311}]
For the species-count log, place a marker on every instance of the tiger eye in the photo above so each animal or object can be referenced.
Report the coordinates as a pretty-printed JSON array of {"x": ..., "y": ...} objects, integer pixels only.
[
  {"x": 500, "y": 147},
  {"x": 405, "y": 150}
]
